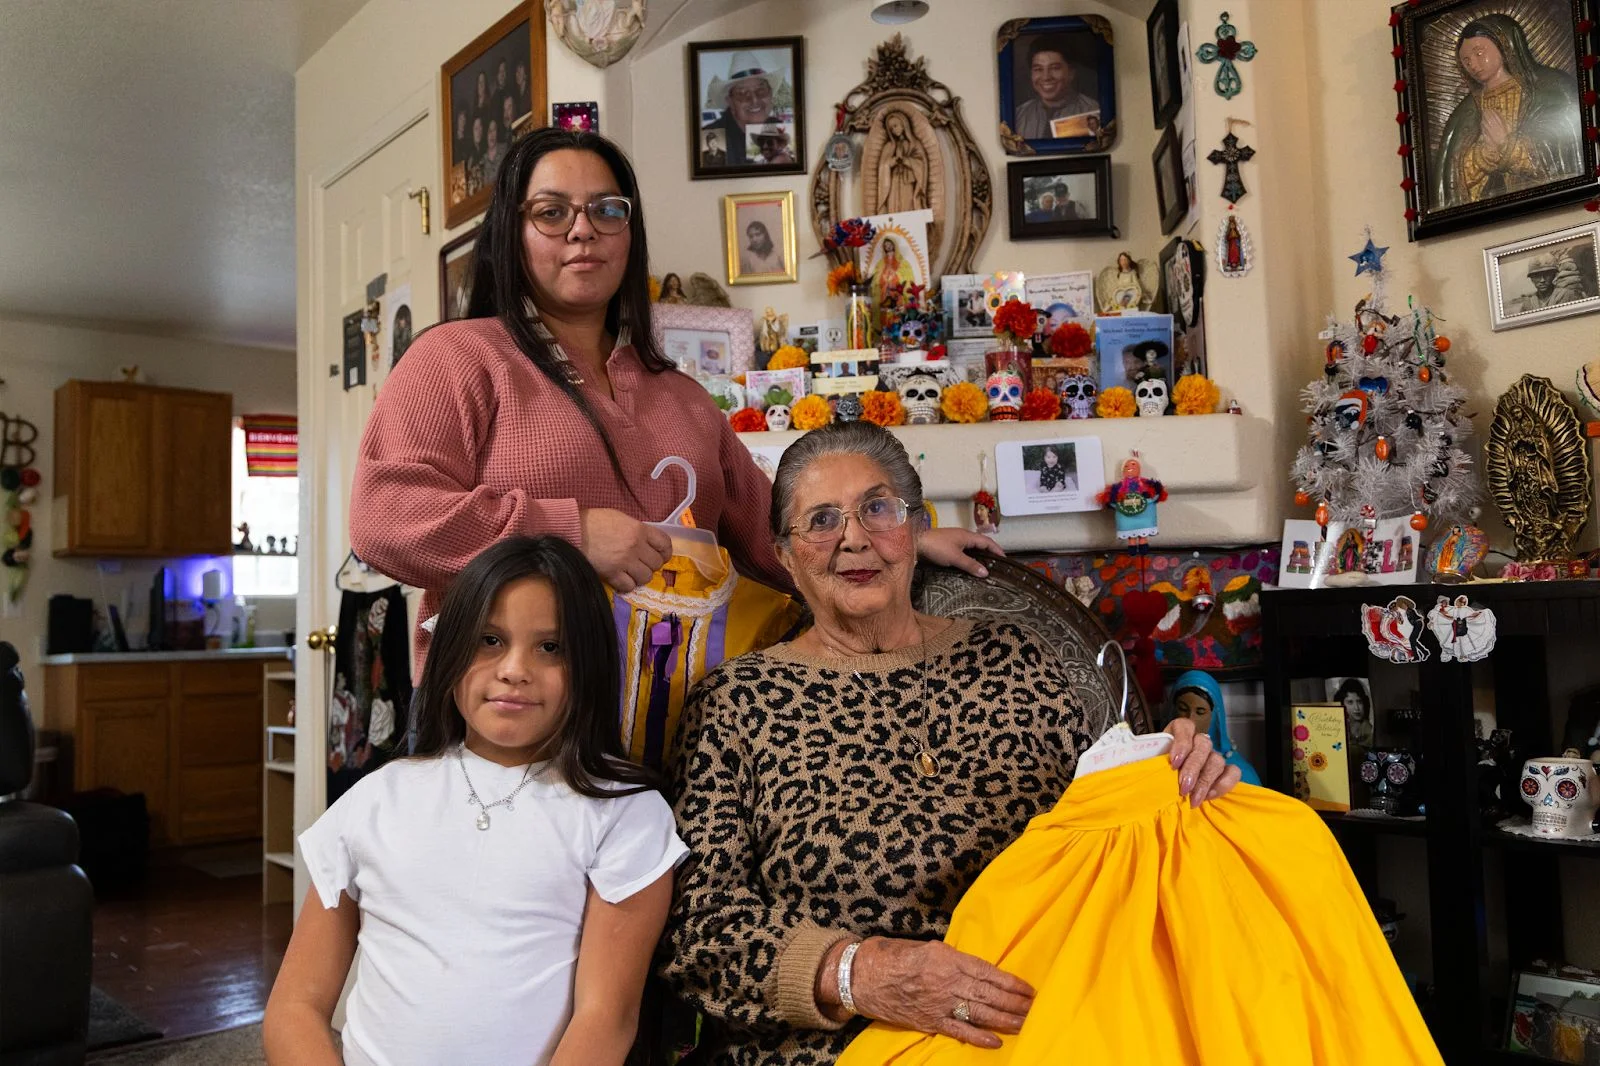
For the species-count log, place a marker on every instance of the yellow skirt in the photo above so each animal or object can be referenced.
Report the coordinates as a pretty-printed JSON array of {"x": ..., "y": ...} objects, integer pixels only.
[{"x": 1152, "y": 932}]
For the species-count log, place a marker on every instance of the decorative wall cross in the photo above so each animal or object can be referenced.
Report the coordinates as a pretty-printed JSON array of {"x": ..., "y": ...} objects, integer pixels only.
[
  {"x": 1230, "y": 155},
  {"x": 1227, "y": 49}
]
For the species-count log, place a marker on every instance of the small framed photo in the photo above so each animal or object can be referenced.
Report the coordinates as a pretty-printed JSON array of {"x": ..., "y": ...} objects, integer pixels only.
[
  {"x": 1553, "y": 1014},
  {"x": 1049, "y": 476},
  {"x": 490, "y": 88},
  {"x": 1058, "y": 85},
  {"x": 576, "y": 115},
  {"x": 1544, "y": 278},
  {"x": 759, "y": 230},
  {"x": 845, "y": 371},
  {"x": 1172, "y": 197},
  {"x": 456, "y": 262},
  {"x": 966, "y": 305},
  {"x": 1471, "y": 155},
  {"x": 1161, "y": 39},
  {"x": 747, "y": 107},
  {"x": 759, "y": 383},
  {"x": 1061, "y": 197},
  {"x": 705, "y": 341}
]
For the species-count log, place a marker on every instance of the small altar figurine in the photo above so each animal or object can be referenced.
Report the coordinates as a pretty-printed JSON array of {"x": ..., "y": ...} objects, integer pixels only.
[{"x": 1134, "y": 499}]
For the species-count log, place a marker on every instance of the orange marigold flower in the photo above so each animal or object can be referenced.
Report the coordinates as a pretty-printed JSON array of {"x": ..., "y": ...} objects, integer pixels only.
[
  {"x": 789, "y": 356},
  {"x": 1116, "y": 402},
  {"x": 810, "y": 412},
  {"x": 1070, "y": 340},
  {"x": 655, "y": 288},
  {"x": 748, "y": 420},
  {"x": 964, "y": 402},
  {"x": 840, "y": 278},
  {"x": 883, "y": 408},
  {"x": 1196, "y": 395},
  {"x": 1040, "y": 405}
]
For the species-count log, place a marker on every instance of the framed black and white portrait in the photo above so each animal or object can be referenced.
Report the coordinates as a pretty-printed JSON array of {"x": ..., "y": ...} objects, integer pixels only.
[{"x": 1544, "y": 278}]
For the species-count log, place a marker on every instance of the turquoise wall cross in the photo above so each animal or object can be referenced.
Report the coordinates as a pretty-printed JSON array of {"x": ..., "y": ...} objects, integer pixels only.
[{"x": 1227, "y": 49}]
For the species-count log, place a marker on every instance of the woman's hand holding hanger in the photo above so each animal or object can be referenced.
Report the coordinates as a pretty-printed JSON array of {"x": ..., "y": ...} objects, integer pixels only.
[
  {"x": 624, "y": 550},
  {"x": 1203, "y": 773}
]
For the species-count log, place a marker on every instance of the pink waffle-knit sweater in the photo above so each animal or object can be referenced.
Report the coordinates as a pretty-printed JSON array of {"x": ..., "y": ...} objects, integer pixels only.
[{"x": 469, "y": 442}]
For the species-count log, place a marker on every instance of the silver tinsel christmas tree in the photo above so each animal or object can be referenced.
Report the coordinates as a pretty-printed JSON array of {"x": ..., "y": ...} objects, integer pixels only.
[{"x": 1387, "y": 437}]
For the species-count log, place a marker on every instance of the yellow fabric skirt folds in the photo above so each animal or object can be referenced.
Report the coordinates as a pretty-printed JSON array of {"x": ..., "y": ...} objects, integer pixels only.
[{"x": 1152, "y": 932}]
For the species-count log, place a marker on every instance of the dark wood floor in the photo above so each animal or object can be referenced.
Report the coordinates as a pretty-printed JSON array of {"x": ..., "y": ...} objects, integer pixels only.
[{"x": 191, "y": 952}]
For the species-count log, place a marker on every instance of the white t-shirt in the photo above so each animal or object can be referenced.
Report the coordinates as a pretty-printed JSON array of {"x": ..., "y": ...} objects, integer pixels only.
[{"x": 469, "y": 938}]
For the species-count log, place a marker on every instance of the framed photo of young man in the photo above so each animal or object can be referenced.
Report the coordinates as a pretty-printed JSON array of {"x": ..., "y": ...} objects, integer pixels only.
[
  {"x": 747, "y": 107},
  {"x": 1058, "y": 85}
]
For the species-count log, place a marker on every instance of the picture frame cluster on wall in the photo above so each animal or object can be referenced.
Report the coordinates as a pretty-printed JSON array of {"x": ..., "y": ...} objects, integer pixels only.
[{"x": 1491, "y": 109}]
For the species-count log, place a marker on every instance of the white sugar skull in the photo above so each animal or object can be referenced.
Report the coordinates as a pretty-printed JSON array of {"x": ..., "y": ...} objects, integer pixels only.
[
  {"x": 920, "y": 393},
  {"x": 1078, "y": 392},
  {"x": 1151, "y": 394},
  {"x": 778, "y": 417},
  {"x": 1005, "y": 395},
  {"x": 1563, "y": 794}
]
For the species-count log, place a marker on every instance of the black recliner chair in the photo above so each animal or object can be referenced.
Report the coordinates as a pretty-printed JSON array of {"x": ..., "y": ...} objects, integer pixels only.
[{"x": 46, "y": 906}]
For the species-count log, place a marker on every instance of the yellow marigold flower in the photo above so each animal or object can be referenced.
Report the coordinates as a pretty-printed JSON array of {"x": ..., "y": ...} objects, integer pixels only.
[
  {"x": 1196, "y": 394},
  {"x": 964, "y": 402},
  {"x": 1116, "y": 402},
  {"x": 788, "y": 356},
  {"x": 811, "y": 412}
]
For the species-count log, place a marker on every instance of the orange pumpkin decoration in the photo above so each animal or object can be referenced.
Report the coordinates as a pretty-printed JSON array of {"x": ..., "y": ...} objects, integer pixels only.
[
  {"x": 1441, "y": 344},
  {"x": 1425, "y": 374}
]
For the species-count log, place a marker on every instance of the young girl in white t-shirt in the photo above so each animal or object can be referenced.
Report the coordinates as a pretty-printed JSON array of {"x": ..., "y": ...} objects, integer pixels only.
[{"x": 507, "y": 885}]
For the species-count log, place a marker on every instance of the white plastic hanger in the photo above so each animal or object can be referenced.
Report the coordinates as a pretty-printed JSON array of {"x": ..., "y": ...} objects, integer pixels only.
[
  {"x": 1119, "y": 745},
  {"x": 699, "y": 546}
]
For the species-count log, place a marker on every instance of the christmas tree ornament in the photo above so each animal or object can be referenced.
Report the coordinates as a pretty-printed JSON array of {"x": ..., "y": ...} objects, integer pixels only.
[
  {"x": 1227, "y": 51},
  {"x": 1419, "y": 521},
  {"x": 985, "y": 511},
  {"x": 1465, "y": 633},
  {"x": 1235, "y": 256},
  {"x": 1229, "y": 156},
  {"x": 1369, "y": 259},
  {"x": 1302, "y": 498},
  {"x": 1381, "y": 449},
  {"x": 1323, "y": 515},
  {"x": 1424, "y": 375},
  {"x": 1413, "y": 421},
  {"x": 1537, "y": 468}
]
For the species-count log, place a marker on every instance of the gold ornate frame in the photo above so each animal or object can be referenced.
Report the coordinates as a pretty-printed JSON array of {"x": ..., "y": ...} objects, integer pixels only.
[
  {"x": 730, "y": 221},
  {"x": 893, "y": 79}
]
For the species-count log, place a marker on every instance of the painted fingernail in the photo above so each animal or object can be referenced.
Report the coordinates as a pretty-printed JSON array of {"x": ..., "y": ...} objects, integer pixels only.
[
  {"x": 1186, "y": 785},
  {"x": 1177, "y": 759}
]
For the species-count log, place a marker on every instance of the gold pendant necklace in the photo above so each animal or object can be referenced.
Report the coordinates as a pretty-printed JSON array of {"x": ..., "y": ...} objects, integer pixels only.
[{"x": 924, "y": 761}]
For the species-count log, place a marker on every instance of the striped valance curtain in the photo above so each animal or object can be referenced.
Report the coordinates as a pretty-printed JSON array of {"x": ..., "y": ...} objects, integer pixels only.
[{"x": 271, "y": 444}]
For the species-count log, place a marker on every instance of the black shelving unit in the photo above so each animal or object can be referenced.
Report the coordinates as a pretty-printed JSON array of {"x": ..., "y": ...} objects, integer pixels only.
[{"x": 1316, "y": 633}]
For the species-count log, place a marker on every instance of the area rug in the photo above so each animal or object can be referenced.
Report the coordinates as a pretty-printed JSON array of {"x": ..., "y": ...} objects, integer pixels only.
[
  {"x": 231, "y": 1047},
  {"x": 113, "y": 1025}
]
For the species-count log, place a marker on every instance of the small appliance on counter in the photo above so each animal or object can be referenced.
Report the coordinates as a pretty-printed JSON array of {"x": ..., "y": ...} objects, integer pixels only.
[{"x": 70, "y": 627}]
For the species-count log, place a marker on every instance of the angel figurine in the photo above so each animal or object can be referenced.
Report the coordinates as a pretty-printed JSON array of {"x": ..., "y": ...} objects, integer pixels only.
[{"x": 1129, "y": 285}]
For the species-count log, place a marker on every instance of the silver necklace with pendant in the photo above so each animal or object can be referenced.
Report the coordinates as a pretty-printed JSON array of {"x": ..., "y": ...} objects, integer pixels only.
[
  {"x": 482, "y": 821},
  {"x": 924, "y": 761}
]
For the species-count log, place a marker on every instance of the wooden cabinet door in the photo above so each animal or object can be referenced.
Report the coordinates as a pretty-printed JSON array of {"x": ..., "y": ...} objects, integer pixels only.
[
  {"x": 103, "y": 464},
  {"x": 124, "y": 746},
  {"x": 191, "y": 483},
  {"x": 219, "y": 751}
]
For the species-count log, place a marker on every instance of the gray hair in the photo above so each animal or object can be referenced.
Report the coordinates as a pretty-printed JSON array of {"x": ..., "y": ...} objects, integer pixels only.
[{"x": 871, "y": 442}]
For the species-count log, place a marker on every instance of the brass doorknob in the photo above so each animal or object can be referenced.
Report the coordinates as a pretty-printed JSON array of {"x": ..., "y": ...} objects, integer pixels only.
[{"x": 318, "y": 639}]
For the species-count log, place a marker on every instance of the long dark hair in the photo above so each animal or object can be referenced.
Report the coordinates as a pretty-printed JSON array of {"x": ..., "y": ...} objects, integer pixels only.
[
  {"x": 588, "y": 742},
  {"x": 502, "y": 289}
]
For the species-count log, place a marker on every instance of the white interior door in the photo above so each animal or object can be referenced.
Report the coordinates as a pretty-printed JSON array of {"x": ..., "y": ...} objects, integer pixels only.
[{"x": 364, "y": 223}]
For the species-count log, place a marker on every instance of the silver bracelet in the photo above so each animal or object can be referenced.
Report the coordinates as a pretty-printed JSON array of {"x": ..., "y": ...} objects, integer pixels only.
[{"x": 846, "y": 961}]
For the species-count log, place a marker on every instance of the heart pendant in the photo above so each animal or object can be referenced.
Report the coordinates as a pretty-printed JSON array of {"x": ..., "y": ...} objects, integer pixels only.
[{"x": 483, "y": 820}]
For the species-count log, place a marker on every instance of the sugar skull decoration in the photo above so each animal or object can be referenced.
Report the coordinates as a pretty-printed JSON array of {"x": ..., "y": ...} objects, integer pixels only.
[
  {"x": 849, "y": 408},
  {"x": 1390, "y": 775},
  {"x": 778, "y": 417},
  {"x": 1464, "y": 632},
  {"x": 1078, "y": 393},
  {"x": 1563, "y": 794},
  {"x": 1151, "y": 394},
  {"x": 1004, "y": 389},
  {"x": 920, "y": 394}
]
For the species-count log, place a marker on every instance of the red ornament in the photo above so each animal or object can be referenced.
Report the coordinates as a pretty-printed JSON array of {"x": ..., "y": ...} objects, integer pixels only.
[
  {"x": 1402, "y": 118},
  {"x": 1411, "y": 214},
  {"x": 30, "y": 477},
  {"x": 1369, "y": 343},
  {"x": 1302, "y": 498},
  {"x": 1408, "y": 184},
  {"x": 1394, "y": 18},
  {"x": 1397, "y": 51},
  {"x": 1400, "y": 86},
  {"x": 1322, "y": 514},
  {"x": 1424, "y": 374},
  {"x": 1441, "y": 344},
  {"x": 1590, "y": 97},
  {"x": 1593, "y": 133},
  {"x": 1419, "y": 521},
  {"x": 1584, "y": 25},
  {"x": 1404, "y": 149},
  {"x": 1381, "y": 449},
  {"x": 1588, "y": 62}
]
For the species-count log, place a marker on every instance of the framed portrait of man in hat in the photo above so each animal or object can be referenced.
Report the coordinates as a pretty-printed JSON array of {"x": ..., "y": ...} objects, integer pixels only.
[
  {"x": 747, "y": 107},
  {"x": 1539, "y": 279}
]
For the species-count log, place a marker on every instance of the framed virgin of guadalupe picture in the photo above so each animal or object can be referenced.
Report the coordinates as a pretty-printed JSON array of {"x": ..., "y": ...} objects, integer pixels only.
[{"x": 1493, "y": 111}]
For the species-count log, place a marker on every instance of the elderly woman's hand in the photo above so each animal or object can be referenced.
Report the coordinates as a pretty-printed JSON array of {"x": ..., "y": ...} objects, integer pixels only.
[
  {"x": 1203, "y": 774},
  {"x": 924, "y": 984},
  {"x": 948, "y": 547}
]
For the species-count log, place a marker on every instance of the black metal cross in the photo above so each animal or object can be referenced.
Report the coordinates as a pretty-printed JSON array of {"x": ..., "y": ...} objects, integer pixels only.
[{"x": 1231, "y": 155}]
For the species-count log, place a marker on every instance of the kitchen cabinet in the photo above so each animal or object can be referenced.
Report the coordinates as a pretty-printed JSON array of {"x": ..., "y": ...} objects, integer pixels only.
[
  {"x": 187, "y": 734},
  {"x": 141, "y": 471}
]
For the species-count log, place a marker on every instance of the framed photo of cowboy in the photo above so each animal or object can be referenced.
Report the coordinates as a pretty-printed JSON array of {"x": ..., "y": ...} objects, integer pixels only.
[
  {"x": 747, "y": 107},
  {"x": 1494, "y": 105},
  {"x": 489, "y": 89},
  {"x": 1544, "y": 278}
]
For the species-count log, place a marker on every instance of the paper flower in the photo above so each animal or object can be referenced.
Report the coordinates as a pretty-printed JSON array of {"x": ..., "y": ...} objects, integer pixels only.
[
  {"x": 840, "y": 278},
  {"x": 787, "y": 357},
  {"x": 882, "y": 408},
  {"x": 810, "y": 412},
  {"x": 965, "y": 402},
  {"x": 748, "y": 420},
  {"x": 1040, "y": 405},
  {"x": 1196, "y": 395},
  {"x": 1116, "y": 402},
  {"x": 1015, "y": 321},
  {"x": 1070, "y": 341}
]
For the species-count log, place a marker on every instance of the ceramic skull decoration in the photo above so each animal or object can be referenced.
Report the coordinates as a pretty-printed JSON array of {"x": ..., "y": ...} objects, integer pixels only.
[
  {"x": 1563, "y": 794},
  {"x": 1390, "y": 773},
  {"x": 920, "y": 394},
  {"x": 1078, "y": 392},
  {"x": 1005, "y": 395},
  {"x": 1151, "y": 395},
  {"x": 849, "y": 408},
  {"x": 778, "y": 417}
]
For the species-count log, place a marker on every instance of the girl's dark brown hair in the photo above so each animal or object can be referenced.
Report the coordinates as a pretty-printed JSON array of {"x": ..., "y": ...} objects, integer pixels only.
[{"x": 587, "y": 750}]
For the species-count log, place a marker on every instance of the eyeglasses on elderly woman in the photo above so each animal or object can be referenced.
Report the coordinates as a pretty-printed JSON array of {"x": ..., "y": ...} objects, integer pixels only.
[{"x": 821, "y": 525}]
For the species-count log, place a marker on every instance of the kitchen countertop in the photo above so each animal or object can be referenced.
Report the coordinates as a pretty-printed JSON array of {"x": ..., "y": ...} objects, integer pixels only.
[{"x": 82, "y": 658}]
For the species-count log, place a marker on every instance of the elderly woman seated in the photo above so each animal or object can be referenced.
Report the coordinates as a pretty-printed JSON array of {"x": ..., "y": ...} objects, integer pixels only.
[{"x": 841, "y": 792}]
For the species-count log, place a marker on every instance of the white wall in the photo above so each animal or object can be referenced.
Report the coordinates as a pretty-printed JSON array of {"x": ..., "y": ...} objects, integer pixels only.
[{"x": 36, "y": 358}]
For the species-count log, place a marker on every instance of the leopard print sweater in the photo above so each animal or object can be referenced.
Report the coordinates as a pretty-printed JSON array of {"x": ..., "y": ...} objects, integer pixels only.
[{"x": 807, "y": 822}]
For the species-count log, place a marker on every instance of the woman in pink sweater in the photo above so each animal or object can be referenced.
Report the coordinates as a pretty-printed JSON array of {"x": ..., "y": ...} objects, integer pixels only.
[{"x": 546, "y": 410}]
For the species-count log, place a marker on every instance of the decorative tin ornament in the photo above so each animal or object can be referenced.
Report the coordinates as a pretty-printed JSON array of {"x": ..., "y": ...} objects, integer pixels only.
[
  {"x": 1227, "y": 50},
  {"x": 1235, "y": 256}
]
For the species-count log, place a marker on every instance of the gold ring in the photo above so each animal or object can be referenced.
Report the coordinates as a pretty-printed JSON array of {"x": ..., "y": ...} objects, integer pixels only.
[{"x": 963, "y": 1012}]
